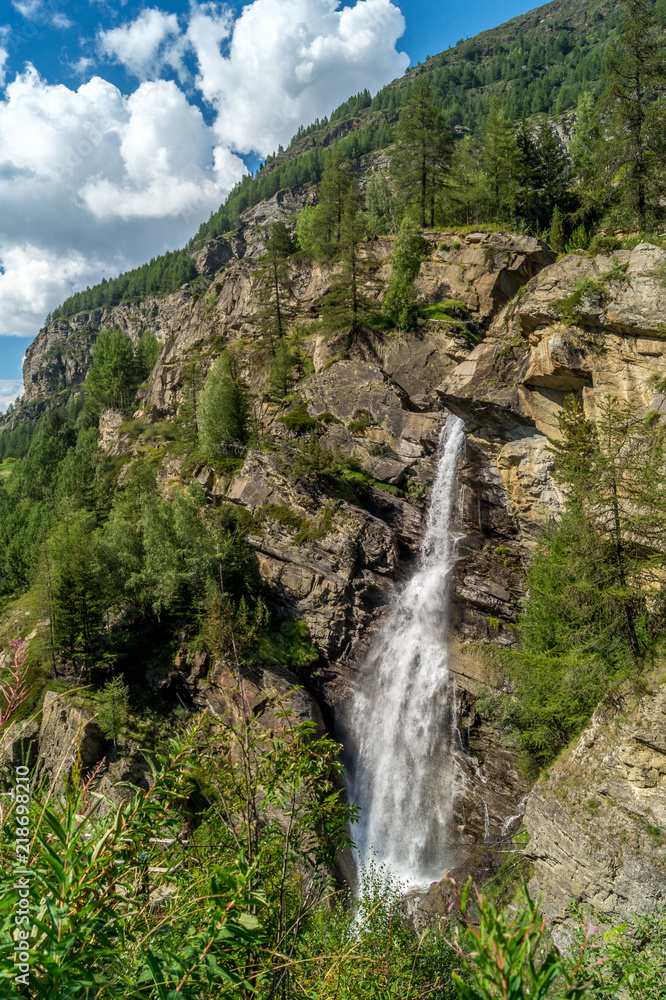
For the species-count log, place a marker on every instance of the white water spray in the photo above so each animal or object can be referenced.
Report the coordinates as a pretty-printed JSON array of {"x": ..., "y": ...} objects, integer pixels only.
[{"x": 401, "y": 726}]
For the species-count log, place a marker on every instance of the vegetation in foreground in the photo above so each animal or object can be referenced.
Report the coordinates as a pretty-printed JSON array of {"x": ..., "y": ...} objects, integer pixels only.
[{"x": 121, "y": 570}]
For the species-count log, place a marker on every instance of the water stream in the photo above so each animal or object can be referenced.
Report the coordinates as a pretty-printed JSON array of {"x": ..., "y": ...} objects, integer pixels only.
[{"x": 401, "y": 727}]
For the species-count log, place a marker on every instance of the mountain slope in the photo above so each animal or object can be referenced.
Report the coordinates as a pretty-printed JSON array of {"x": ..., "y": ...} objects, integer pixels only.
[{"x": 540, "y": 62}]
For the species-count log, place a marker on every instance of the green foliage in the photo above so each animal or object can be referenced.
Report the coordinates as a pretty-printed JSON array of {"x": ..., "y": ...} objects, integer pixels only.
[
  {"x": 632, "y": 959},
  {"x": 276, "y": 292},
  {"x": 381, "y": 204},
  {"x": 298, "y": 420},
  {"x": 409, "y": 251},
  {"x": 499, "y": 160},
  {"x": 113, "y": 378},
  {"x": 369, "y": 951},
  {"x": 113, "y": 709},
  {"x": 146, "y": 353},
  {"x": 502, "y": 953},
  {"x": 422, "y": 157},
  {"x": 596, "y": 602},
  {"x": 635, "y": 150},
  {"x": 556, "y": 232},
  {"x": 223, "y": 408},
  {"x": 284, "y": 371},
  {"x": 360, "y": 420},
  {"x": 161, "y": 276},
  {"x": 588, "y": 293}
]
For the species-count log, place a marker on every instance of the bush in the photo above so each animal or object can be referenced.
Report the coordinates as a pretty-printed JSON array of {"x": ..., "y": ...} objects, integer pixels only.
[{"x": 299, "y": 421}]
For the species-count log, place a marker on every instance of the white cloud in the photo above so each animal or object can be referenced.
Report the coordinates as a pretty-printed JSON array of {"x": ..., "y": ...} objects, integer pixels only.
[
  {"x": 4, "y": 55},
  {"x": 35, "y": 10},
  {"x": 290, "y": 61},
  {"x": 80, "y": 173},
  {"x": 9, "y": 390},
  {"x": 147, "y": 45},
  {"x": 82, "y": 65},
  {"x": 94, "y": 181}
]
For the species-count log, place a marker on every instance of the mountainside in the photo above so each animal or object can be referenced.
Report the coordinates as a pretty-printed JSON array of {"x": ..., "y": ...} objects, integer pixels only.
[{"x": 226, "y": 526}]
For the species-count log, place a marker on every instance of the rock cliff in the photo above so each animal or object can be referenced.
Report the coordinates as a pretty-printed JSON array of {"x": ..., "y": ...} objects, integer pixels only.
[{"x": 517, "y": 331}]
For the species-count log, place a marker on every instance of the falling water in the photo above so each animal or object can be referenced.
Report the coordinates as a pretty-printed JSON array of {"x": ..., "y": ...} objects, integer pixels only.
[{"x": 401, "y": 726}]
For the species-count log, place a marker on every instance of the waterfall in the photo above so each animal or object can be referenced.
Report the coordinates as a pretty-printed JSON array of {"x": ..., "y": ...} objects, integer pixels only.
[{"x": 401, "y": 723}]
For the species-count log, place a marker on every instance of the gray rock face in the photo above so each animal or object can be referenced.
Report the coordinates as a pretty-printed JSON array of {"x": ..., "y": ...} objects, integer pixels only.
[
  {"x": 67, "y": 734},
  {"x": 597, "y": 820}
]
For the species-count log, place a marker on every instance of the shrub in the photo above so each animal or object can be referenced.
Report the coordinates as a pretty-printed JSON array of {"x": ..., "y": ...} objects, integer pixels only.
[{"x": 299, "y": 421}]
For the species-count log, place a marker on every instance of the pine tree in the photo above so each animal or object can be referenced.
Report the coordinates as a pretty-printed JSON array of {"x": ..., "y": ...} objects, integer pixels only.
[
  {"x": 552, "y": 169},
  {"x": 587, "y": 156},
  {"x": 112, "y": 379},
  {"x": 613, "y": 471},
  {"x": 113, "y": 709},
  {"x": 381, "y": 204},
  {"x": 500, "y": 161},
  {"x": 325, "y": 230},
  {"x": 282, "y": 376},
  {"x": 346, "y": 302},
  {"x": 423, "y": 151},
  {"x": 636, "y": 111},
  {"x": 276, "y": 288},
  {"x": 146, "y": 353},
  {"x": 556, "y": 232},
  {"x": 526, "y": 171}
]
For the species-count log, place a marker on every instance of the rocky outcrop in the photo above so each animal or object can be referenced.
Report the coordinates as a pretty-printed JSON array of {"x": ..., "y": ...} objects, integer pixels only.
[
  {"x": 589, "y": 325},
  {"x": 68, "y": 735},
  {"x": 597, "y": 820}
]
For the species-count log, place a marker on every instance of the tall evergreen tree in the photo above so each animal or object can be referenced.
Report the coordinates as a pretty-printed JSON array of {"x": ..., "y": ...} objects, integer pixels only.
[
  {"x": 276, "y": 288},
  {"x": 587, "y": 156},
  {"x": 423, "y": 151},
  {"x": 636, "y": 111},
  {"x": 223, "y": 409},
  {"x": 346, "y": 302},
  {"x": 112, "y": 379},
  {"x": 500, "y": 161},
  {"x": 552, "y": 170}
]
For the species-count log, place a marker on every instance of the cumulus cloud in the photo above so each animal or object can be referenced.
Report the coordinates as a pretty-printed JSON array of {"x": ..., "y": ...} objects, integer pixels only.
[
  {"x": 147, "y": 45},
  {"x": 4, "y": 55},
  {"x": 10, "y": 388},
  {"x": 290, "y": 61},
  {"x": 81, "y": 172},
  {"x": 94, "y": 181}
]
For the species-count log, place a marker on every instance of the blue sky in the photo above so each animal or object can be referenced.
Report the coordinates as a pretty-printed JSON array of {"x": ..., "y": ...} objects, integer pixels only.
[{"x": 123, "y": 125}]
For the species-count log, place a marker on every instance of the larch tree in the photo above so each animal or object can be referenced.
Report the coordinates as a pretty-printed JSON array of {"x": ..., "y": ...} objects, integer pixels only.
[
  {"x": 223, "y": 408},
  {"x": 499, "y": 160},
  {"x": 276, "y": 288},
  {"x": 423, "y": 152},
  {"x": 635, "y": 112}
]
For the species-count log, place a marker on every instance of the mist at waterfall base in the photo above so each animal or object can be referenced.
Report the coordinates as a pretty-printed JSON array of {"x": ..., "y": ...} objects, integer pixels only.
[{"x": 401, "y": 723}]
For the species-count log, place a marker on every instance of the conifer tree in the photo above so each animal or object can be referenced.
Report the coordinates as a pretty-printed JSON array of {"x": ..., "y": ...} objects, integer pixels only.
[
  {"x": 500, "y": 160},
  {"x": 423, "y": 151},
  {"x": 276, "y": 288},
  {"x": 408, "y": 254},
  {"x": 282, "y": 376},
  {"x": 146, "y": 353},
  {"x": 223, "y": 409},
  {"x": 636, "y": 111},
  {"x": 552, "y": 170},
  {"x": 346, "y": 302},
  {"x": 613, "y": 470},
  {"x": 587, "y": 155},
  {"x": 324, "y": 231},
  {"x": 112, "y": 379},
  {"x": 113, "y": 710}
]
